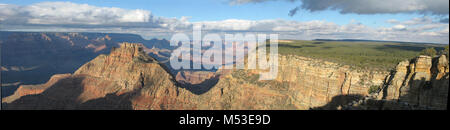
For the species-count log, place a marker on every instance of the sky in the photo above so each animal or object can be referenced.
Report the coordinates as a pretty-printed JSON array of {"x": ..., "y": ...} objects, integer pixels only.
[{"x": 393, "y": 20}]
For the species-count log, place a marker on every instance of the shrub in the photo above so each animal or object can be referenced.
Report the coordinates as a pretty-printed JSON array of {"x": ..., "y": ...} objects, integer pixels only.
[
  {"x": 445, "y": 51},
  {"x": 429, "y": 52},
  {"x": 374, "y": 89}
]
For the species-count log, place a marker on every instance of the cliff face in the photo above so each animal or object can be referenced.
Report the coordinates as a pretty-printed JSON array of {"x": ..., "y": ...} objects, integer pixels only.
[
  {"x": 420, "y": 82},
  {"x": 302, "y": 83},
  {"x": 128, "y": 78},
  {"x": 315, "y": 83},
  {"x": 33, "y": 57},
  {"x": 116, "y": 81}
]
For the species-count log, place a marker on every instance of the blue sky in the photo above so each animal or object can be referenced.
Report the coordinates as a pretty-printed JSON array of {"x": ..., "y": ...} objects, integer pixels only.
[
  {"x": 216, "y": 10},
  {"x": 256, "y": 13}
]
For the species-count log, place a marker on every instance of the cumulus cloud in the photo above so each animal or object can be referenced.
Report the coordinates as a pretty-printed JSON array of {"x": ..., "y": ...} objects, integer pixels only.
[
  {"x": 70, "y": 13},
  {"x": 419, "y": 24},
  {"x": 72, "y": 17},
  {"x": 409, "y": 30},
  {"x": 274, "y": 25},
  {"x": 414, "y": 21},
  {"x": 399, "y": 27},
  {"x": 438, "y": 7},
  {"x": 434, "y": 7}
]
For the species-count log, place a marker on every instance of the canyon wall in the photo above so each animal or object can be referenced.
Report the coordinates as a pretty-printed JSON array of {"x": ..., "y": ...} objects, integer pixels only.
[
  {"x": 33, "y": 57},
  {"x": 127, "y": 78},
  {"x": 120, "y": 80},
  {"x": 421, "y": 82}
]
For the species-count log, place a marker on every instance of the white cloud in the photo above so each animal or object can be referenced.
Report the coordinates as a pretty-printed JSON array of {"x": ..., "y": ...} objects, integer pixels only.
[
  {"x": 419, "y": 24},
  {"x": 419, "y": 21},
  {"x": 438, "y": 7},
  {"x": 393, "y": 21},
  {"x": 71, "y": 13},
  {"x": 399, "y": 27},
  {"x": 435, "y": 7},
  {"x": 413, "y": 32},
  {"x": 414, "y": 21},
  {"x": 230, "y": 25},
  {"x": 444, "y": 31},
  {"x": 430, "y": 32},
  {"x": 71, "y": 17}
]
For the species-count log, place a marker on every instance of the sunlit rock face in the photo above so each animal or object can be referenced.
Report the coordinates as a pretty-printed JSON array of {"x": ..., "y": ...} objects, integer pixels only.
[
  {"x": 302, "y": 83},
  {"x": 422, "y": 81},
  {"x": 33, "y": 57},
  {"x": 128, "y": 78},
  {"x": 111, "y": 81}
]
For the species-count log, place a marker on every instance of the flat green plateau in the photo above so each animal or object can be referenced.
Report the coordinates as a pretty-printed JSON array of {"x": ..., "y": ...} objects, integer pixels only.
[{"x": 362, "y": 55}]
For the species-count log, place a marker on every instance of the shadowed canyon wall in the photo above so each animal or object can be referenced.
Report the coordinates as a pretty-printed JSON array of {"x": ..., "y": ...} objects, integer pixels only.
[
  {"x": 33, "y": 57},
  {"x": 128, "y": 78}
]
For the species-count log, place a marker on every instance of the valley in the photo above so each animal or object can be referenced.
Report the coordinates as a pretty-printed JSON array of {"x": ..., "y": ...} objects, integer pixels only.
[{"x": 107, "y": 72}]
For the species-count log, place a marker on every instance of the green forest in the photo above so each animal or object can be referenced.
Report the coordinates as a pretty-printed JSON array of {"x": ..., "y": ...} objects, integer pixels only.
[{"x": 363, "y": 55}]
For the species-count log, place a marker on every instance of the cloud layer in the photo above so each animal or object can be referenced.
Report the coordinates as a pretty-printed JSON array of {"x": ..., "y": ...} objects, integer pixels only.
[
  {"x": 422, "y": 29},
  {"x": 433, "y": 7},
  {"x": 436, "y": 7},
  {"x": 70, "y": 13},
  {"x": 72, "y": 17}
]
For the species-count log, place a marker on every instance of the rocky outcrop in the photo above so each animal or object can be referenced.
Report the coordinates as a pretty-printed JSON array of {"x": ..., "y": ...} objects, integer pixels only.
[
  {"x": 418, "y": 84},
  {"x": 25, "y": 90},
  {"x": 107, "y": 82},
  {"x": 302, "y": 83},
  {"x": 317, "y": 82},
  {"x": 33, "y": 57},
  {"x": 422, "y": 81},
  {"x": 196, "y": 77},
  {"x": 128, "y": 78}
]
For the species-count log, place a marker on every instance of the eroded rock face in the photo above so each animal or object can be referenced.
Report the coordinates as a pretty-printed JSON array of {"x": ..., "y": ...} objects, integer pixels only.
[
  {"x": 302, "y": 83},
  {"x": 33, "y": 57},
  {"x": 422, "y": 81},
  {"x": 128, "y": 78},
  {"x": 24, "y": 90},
  {"x": 107, "y": 82},
  {"x": 194, "y": 77}
]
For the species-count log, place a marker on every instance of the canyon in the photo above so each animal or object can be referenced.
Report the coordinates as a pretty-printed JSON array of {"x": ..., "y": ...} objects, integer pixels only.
[
  {"x": 33, "y": 57},
  {"x": 134, "y": 77}
]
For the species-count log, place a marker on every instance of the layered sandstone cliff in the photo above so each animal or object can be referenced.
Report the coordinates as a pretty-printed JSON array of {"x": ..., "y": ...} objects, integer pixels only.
[
  {"x": 108, "y": 82},
  {"x": 302, "y": 83},
  {"x": 127, "y": 78},
  {"x": 418, "y": 84},
  {"x": 33, "y": 57},
  {"x": 422, "y": 81}
]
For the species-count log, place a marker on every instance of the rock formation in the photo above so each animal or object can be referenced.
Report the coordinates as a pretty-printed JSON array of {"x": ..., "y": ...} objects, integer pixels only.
[
  {"x": 121, "y": 80},
  {"x": 419, "y": 84},
  {"x": 33, "y": 57},
  {"x": 128, "y": 78},
  {"x": 422, "y": 81}
]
